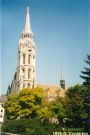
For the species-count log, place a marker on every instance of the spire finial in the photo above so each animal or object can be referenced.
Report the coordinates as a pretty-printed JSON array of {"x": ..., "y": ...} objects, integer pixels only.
[
  {"x": 62, "y": 81},
  {"x": 27, "y": 9},
  {"x": 62, "y": 76},
  {"x": 27, "y": 25}
]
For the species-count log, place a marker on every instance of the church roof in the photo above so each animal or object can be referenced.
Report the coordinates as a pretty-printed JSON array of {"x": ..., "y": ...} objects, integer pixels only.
[{"x": 51, "y": 92}]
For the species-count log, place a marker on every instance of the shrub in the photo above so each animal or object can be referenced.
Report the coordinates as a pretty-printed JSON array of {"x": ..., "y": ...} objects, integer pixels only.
[{"x": 35, "y": 127}]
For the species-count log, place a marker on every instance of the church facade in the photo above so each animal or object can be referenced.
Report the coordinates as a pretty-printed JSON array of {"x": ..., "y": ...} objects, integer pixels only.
[{"x": 25, "y": 75}]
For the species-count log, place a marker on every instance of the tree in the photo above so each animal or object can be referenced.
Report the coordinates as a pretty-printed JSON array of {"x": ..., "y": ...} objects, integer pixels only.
[
  {"x": 58, "y": 110},
  {"x": 86, "y": 77},
  {"x": 86, "y": 74},
  {"x": 75, "y": 111},
  {"x": 12, "y": 107},
  {"x": 29, "y": 103}
]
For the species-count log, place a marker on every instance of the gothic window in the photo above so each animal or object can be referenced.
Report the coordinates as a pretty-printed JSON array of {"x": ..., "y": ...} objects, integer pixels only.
[
  {"x": 29, "y": 59},
  {"x": 29, "y": 72},
  {"x": 30, "y": 50},
  {"x": 33, "y": 56},
  {"x": 23, "y": 73},
  {"x": 28, "y": 84},
  {"x": 23, "y": 85},
  {"x": 2, "y": 105},
  {"x": 0, "y": 116},
  {"x": 23, "y": 58}
]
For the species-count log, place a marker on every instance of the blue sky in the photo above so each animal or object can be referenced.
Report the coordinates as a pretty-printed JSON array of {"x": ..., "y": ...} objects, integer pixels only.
[{"x": 61, "y": 32}]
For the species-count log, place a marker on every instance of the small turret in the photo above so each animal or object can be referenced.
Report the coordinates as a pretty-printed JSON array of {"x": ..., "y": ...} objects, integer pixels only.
[{"x": 62, "y": 81}]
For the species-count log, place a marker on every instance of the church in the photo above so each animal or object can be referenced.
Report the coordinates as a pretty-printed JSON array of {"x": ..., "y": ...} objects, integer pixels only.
[{"x": 25, "y": 75}]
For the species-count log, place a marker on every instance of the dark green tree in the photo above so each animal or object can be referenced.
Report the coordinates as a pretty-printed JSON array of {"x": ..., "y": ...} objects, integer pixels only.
[
  {"x": 86, "y": 77},
  {"x": 75, "y": 112},
  {"x": 86, "y": 74},
  {"x": 58, "y": 110}
]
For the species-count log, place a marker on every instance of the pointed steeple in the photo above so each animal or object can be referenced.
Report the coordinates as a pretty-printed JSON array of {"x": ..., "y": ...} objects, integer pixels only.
[
  {"x": 27, "y": 24},
  {"x": 62, "y": 76},
  {"x": 62, "y": 81}
]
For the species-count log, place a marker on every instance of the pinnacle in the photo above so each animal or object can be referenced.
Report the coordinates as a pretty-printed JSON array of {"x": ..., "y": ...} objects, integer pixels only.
[{"x": 27, "y": 24}]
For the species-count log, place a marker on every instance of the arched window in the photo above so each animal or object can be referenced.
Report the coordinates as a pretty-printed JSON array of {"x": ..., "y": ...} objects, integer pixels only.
[
  {"x": 23, "y": 73},
  {"x": 23, "y": 58},
  {"x": 33, "y": 56},
  {"x": 28, "y": 84},
  {"x": 29, "y": 59},
  {"x": 23, "y": 85},
  {"x": 29, "y": 72}
]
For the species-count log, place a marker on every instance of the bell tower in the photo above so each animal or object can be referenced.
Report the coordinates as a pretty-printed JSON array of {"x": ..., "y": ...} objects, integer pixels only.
[{"x": 26, "y": 74}]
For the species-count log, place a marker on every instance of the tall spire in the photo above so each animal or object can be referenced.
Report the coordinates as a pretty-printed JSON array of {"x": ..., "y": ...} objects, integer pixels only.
[
  {"x": 62, "y": 76},
  {"x": 27, "y": 25},
  {"x": 62, "y": 81}
]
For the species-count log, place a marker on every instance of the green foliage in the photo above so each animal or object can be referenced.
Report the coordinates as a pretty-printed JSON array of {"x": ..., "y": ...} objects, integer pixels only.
[
  {"x": 12, "y": 107},
  {"x": 29, "y": 103},
  {"x": 34, "y": 127},
  {"x": 58, "y": 110},
  {"x": 86, "y": 97},
  {"x": 75, "y": 111},
  {"x": 86, "y": 74},
  {"x": 86, "y": 77},
  {"x": 29, "y": 127}
]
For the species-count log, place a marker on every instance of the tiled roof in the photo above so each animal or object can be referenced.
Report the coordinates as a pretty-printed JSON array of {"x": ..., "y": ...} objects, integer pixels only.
[{"x": 51, "y": 92}]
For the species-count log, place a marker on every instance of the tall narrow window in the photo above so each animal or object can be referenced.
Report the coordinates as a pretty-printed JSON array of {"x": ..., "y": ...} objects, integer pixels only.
[
  {"x": 29, "y": 73},
  {"x": 23, "y": 73},
  {"x": 23, "y": 58},
  {"x": 23, "y": 85},
  {"x": 28, "y": 84},
  {"x": 29, "y": 59},
  {"x": 0, "y": 116}
]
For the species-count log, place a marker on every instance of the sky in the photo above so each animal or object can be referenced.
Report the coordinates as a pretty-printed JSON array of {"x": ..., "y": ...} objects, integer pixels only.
[{"x": 61, "y": 32}]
